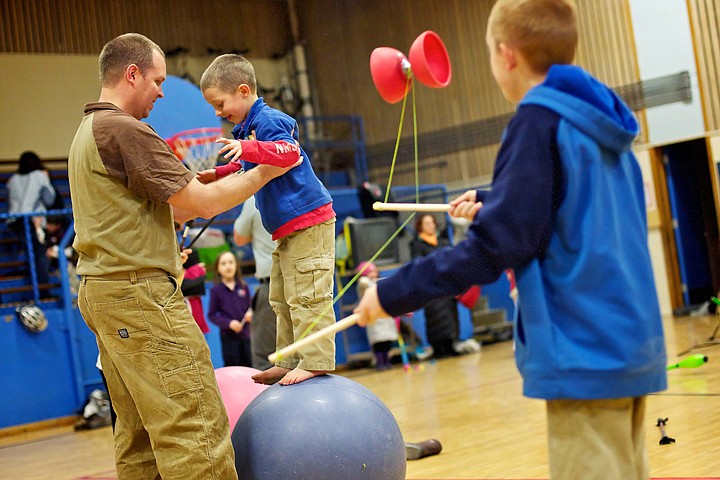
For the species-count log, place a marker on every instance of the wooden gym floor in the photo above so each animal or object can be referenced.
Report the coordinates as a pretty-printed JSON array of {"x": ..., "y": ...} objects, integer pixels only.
[{"x": 473, "y": 405}]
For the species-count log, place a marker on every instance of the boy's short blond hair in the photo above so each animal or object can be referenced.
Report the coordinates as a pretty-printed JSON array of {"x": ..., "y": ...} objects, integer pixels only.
[
  {"x": 545, "y": 32},
  {"x": 227, "y": 72}
]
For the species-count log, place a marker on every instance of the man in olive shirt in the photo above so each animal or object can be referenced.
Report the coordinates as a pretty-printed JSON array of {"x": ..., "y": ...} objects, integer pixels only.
[{"x": 127, "y": 190}]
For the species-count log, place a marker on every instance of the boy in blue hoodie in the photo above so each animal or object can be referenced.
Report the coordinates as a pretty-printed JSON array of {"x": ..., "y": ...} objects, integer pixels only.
[
  {"x": 295, "y": 208},
  {"x": 567, "y": 212}
]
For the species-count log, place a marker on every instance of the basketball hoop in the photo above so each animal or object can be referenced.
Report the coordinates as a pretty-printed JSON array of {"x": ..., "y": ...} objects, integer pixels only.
[{"x": 196, "y": 148}]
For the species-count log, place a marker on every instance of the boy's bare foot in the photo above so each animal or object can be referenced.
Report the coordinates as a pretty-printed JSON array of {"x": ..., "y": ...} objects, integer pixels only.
[
  {"x": 299, "y": 375},
  {"x": 271, "y": 375}
]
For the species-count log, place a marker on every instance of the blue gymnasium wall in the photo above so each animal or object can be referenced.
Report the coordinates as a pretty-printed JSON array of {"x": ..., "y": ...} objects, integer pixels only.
[
  {"x": 37, "y": 374},
  {"x": 36, "y": 371}
]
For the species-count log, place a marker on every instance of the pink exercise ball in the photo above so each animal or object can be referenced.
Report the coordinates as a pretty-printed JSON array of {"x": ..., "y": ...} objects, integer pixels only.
[{"x": 237, "y": 389}]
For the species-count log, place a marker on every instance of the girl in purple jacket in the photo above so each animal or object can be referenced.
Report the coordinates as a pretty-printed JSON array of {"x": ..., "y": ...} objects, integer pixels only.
[{"x": 230, "y": 310}]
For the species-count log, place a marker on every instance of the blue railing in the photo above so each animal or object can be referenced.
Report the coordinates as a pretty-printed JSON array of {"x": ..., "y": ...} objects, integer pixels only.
[
  {"x": 68, "y": 301},
  {"x": 353, "y": 139},
  {"x": 28, "y": 234}
]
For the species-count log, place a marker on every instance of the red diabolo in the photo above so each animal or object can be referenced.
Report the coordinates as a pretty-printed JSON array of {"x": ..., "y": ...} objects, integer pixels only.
[
  {"x": 386, "y": 67},
  {"x": 429, "y": 63}
]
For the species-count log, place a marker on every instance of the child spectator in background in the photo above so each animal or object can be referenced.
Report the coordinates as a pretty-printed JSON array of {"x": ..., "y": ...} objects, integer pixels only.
[
  {"x": 55, "y": 228},
  {"x": 383, "y": 332},
  {"x": 295, "y": 208},
  {"x": 230, "y": 310},
  {"x": 193, "y": 289}
]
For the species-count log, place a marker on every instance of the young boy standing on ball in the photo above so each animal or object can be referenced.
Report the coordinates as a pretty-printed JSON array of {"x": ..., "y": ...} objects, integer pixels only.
[
  {"x": 567, "y": 213},
  {"x": 296, "y": 209}
]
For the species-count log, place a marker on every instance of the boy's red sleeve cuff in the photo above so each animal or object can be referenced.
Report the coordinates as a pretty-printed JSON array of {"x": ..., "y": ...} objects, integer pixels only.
[{"x": 227, "y": 169}]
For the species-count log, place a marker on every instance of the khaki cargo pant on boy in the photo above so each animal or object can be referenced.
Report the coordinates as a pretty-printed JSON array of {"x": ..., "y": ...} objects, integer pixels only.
[{"x": 301, "y": 287}]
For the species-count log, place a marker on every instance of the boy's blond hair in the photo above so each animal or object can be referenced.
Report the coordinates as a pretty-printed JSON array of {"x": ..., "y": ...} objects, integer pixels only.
[
  {"x": 545, "y": 32},
  {"x": 227, "y": 72}
]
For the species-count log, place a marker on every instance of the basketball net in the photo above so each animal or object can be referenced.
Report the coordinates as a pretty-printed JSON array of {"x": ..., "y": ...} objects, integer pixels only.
[{"x": 196, "y": 148}]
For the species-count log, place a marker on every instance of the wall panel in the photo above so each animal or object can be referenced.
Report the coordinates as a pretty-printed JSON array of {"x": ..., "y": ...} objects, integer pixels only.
[{"x": 260, "y": 27}]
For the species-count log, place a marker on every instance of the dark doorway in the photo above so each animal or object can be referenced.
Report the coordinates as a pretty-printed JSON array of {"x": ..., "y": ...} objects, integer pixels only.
[{"x": 695, "y": 228}]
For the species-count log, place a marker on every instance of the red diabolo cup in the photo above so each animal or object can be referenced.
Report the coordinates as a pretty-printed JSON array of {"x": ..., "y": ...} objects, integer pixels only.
[
  {"x": 429, "y": 63},
  {"x": 389, "y": 77}
]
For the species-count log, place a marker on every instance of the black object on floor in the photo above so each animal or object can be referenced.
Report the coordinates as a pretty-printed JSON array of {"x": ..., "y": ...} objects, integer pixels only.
[{"x": 416, "y": 451}]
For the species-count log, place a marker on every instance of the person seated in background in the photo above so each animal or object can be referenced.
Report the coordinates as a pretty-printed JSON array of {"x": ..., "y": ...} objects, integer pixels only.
[
  {"x": 55, "y": 228},
  {"x": 30, "y": 190},
  {"x": 441, "y": 315}
]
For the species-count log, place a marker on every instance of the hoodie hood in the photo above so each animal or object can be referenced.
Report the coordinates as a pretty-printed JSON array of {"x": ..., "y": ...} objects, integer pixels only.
[{"x": 589, "y": 105}]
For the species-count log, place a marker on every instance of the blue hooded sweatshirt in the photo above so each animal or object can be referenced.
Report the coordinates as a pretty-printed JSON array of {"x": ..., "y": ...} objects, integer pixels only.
[
  {"x": 567, "y": 212},
  {"x": 295, "y": 193}
]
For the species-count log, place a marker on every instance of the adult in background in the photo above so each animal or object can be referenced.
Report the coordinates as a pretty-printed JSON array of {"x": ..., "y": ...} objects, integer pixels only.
[
  {"x": 441, "y": 314},
  {"x": 30, "y": 190},
  {"x": 249, "y": 228},
  {"x": 127, "y": 188}
]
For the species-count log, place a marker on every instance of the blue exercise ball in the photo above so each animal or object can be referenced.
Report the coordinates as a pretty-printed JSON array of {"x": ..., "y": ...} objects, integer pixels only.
[{"x": 327, "y": 427}]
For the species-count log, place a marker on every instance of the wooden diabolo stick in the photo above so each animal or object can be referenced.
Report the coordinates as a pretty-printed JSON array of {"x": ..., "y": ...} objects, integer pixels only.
[
  {"x": 411, "y": 207},
  {"x": 338, "y": 326}
]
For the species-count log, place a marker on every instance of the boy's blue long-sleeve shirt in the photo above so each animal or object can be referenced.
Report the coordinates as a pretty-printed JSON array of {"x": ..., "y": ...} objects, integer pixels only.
[
  {"x": 293, "y": 194},
  {"x": 567, "y": 212}
]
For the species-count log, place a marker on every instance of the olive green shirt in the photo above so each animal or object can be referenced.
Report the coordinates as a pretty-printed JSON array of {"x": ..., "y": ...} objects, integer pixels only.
[{"x": 121, "y": 176}]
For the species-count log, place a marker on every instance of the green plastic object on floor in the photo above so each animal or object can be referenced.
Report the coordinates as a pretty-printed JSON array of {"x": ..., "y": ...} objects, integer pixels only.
[{"x": 693, "y": 361}]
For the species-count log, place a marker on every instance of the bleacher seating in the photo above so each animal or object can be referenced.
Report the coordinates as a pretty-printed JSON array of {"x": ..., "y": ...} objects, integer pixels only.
[{"x": 15, "y": 279}]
